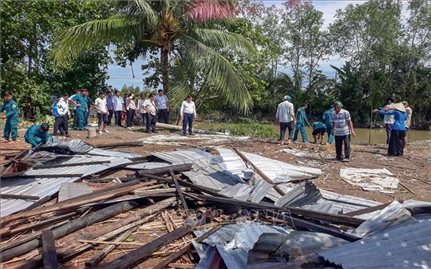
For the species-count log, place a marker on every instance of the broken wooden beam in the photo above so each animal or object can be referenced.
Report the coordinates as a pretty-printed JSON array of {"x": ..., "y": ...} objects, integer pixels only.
[
  {"x": 78, "y": 201},
  {"x": 49, "y": 251},
  {"x": 18, "y": 196},
  {"x": 43, "y": 166},
  {"x": 99, "y": 256},
  {"x": 180, "y": 193},
  {"x": 165, "y": 170},
  {"x": 184, "y": 249},
  {"x": 139, "y": 254},
  {"x": 259, "y": 172},
  {"x": 306, "y": 213},
  {"x": 68, "y": 228},
  {"x": 49, "y": 220}
]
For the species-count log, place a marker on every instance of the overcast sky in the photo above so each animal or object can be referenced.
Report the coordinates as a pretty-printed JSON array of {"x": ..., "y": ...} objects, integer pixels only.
[{"x": 120, "y": 76}]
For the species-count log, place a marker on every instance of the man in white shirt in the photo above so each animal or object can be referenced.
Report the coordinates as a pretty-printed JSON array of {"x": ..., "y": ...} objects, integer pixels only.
[
  {"x": 63, "y": 115},
  {"x": 118, "y": 107},
  {"x": 285, "y": 116},
  {"x": 389, "y": 120},
  {"x": 151, "y": 109},
  {"x": 162, "y": 104},
  {"x": 188, "y": 112},
  {"x": 102, "y": 112}
]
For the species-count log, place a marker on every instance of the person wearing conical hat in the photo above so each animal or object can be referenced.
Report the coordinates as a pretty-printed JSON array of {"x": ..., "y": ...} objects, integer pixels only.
[{"x": 398, "y": 132}]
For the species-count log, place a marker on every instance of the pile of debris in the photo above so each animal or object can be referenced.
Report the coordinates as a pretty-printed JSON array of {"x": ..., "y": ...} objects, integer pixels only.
[{"x": 232, "y": 209}]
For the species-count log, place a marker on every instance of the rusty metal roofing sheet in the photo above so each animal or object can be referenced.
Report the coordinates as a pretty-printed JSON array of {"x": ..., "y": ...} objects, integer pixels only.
[{"x": 405, "y": 247}]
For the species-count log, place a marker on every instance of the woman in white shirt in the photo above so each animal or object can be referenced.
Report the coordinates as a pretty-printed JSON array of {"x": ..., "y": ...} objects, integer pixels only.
[
  {"x": 141, "y": 108},
  {"x": 131, "y": 108},
  {"x": 188, "y": 112},
  {"x": 102, "y": 112}
]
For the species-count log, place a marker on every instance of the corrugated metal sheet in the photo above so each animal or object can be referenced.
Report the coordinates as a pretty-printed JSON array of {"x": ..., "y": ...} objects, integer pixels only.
[
  {"x": 111, "y": 153},
  {"x": 277, "y": 171},
  {"x": 306, "y": 195},
  {"x": 149, "y": 165},
  {"x": 405, "y": 247},
  {"x": 234, "y": 241},
  {"x": 290, "y": 250},
  {"x": 74, "y": 145},
  {"x": 40, "y": 186},
  {"x": 216, "y": 181},
  {"x": 390, "y": 217},
  {"x": 239, "y": 191}
]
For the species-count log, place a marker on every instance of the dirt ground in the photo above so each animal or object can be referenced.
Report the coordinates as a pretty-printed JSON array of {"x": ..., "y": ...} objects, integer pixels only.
[{"x": 413, "y": 171}]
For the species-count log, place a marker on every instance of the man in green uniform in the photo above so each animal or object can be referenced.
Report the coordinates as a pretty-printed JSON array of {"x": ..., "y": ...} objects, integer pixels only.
[
  {"x": 327, "y": 117},
  {"x": 81, "y": 108},
  {"x": 11, "y": 125},
  {"x": 301, "y": 120},
  {"x": 37, "y": 135}
]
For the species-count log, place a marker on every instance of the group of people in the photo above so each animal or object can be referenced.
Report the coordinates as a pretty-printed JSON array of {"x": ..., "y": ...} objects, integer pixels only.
[
  {"x": 108, "y": 105},
  {"x": 338, "y": 125}
]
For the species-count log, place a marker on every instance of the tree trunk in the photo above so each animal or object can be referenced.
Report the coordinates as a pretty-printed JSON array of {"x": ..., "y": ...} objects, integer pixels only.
[{"x": 164, "y": 61}]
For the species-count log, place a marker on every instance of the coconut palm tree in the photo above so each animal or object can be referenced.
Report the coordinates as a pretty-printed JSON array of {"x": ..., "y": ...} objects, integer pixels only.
[{"x": 181, "y": 31}]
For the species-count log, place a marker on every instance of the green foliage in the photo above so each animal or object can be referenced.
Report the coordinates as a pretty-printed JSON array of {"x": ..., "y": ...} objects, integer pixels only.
[{"x": 28, "y": 28}]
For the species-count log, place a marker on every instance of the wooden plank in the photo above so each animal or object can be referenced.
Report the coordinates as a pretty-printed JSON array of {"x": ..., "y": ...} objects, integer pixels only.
[
  {"x": 139, "y": 254},
  {"x": 306, "y": 213},
  {"x": 68, "y": 164},
  {"x": 180, "y": 193},
  {"x": 70, "y": 253},
  {"x": 28, "y": 227},
  {"x": 18, "y": 196},
  {"x": 259, "y": 172},
  {"x": 49, "y": 251},
  {"x": 184, "y": 249},
  {"x": 77, "y": 201},
  {"x": 69, "y": 227},
  {"x": 99, "y": 256}
]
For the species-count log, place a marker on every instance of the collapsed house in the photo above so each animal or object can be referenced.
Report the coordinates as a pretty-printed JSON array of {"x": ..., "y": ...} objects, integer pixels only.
[{"x": 234, "y": 210}]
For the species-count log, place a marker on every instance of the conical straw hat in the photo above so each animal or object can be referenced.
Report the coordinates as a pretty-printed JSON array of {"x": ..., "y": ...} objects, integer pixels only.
[{"x": 399, "y": 107}]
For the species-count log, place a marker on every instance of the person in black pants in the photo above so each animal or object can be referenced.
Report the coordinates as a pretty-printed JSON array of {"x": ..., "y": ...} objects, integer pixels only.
[
  {"x": 150, "y": 107},
  {"x": 188, "y": 112},
  {"x": 342, "y": 127}
]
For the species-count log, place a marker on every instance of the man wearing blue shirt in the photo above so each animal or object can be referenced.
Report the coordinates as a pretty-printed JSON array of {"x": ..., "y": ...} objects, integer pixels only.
[
  {"x": 319, "y": 130},
  {"x": 398, "y": 130},
  {"x": 37, "y": 135},
  {"x": 80, "y": 101},
  {"x": 11, "y": 125},
  {"x": 301, "y": 120},
  {"x": 327, "y": 119}
]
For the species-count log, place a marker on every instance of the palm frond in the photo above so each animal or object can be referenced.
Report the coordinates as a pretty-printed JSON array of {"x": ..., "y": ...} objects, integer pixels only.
[
  {"x": 72, "y": 42},
  {"x": 220, "y": 74},
  {"x": 147, "y": 12},
  {"x": 223, "y": 39}
]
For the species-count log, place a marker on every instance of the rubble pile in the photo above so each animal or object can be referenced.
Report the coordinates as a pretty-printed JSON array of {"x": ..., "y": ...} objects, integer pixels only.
[{"x": 194, "y": 209}]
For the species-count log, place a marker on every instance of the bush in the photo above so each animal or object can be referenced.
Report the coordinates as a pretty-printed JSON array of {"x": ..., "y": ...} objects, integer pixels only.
[{"x": 240, "y": 129}]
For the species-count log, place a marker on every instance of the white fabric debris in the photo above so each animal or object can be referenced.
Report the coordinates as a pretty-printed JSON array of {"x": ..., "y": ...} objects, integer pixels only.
[{"x": 370, "y": 179}]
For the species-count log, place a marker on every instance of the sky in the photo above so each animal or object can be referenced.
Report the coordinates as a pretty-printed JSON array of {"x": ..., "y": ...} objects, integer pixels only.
[{"x": 120, "y": 76}]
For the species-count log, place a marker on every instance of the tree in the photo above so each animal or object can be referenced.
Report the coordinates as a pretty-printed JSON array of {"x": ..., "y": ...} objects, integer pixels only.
[
  {"x": 307, "y": 45},
  {"x": 28, "y": 28},
  {"x": 178, "y": 29}
]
